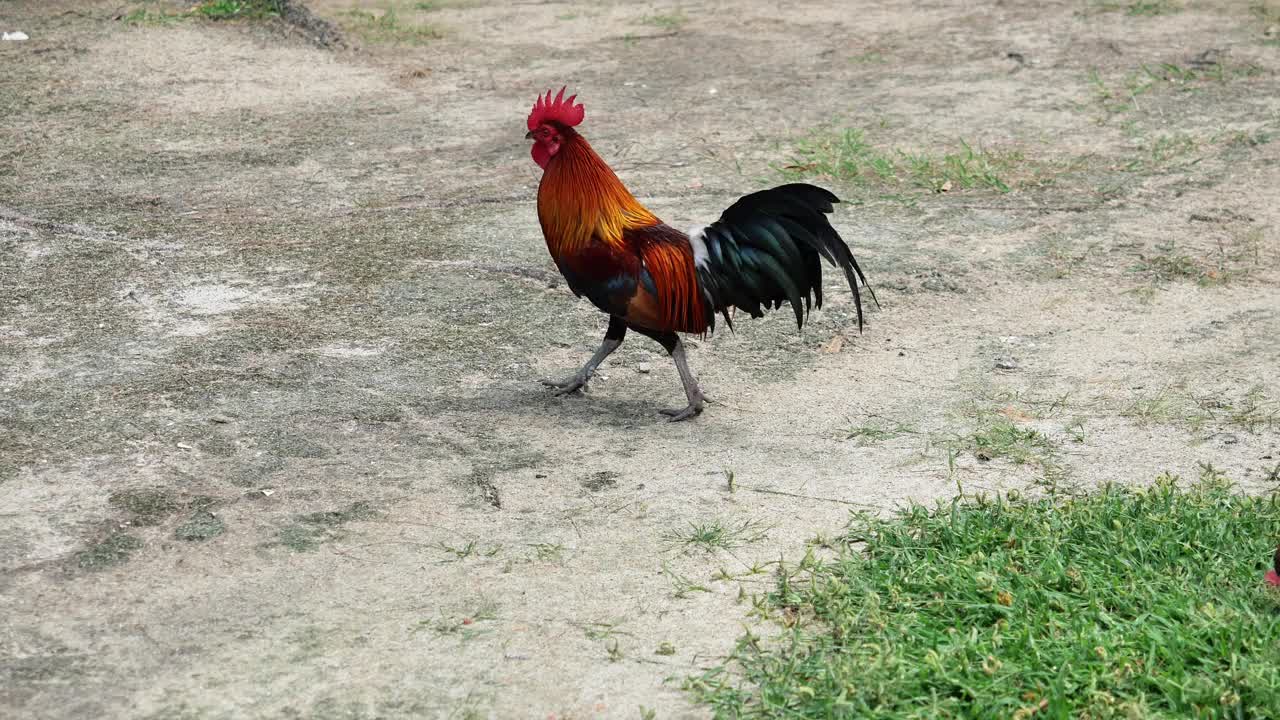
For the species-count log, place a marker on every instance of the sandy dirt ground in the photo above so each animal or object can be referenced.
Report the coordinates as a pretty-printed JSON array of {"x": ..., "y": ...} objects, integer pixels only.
[{"x": 273, "y": 316}]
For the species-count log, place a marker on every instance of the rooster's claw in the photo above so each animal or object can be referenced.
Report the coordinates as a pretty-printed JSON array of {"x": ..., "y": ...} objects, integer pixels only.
[
  {"x": 683, "y": 413},
  {"x": 570, "y": 384}
]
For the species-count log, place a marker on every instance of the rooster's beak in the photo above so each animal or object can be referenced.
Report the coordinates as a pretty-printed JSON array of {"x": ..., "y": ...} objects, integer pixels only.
[{"x": 528, "y": 135}]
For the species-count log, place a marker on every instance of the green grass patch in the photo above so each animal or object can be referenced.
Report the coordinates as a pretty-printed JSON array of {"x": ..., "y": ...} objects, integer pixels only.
[
  {"x": 313, "y": 529},
  {"x": 1166, "y": 407},
  {"x": 1123, "y": 603},
  {"x": 1165, "y": 263},
  {"x": 302, "y": 538},
  {"x": 682, "y": 586},
  {"x": 1005, "y": 440},
  {"x": 236, "y": 9},
  {"x": 667, "y": 21},
  {"x": 434, "y": 5},
  {"x": 1252, "y": 412},
  {"x": 147, "y": 506},
  {"x": 548, "y": 552},
  {"x": 1234, "y": 259},
  {"x": 201, "y": 526},
  {"x": 1075, "y": 428},
  {"x": 999, "y": 438},
  {"x": 207, "y": 9},
  {"x": 151, "y": 506},
  {"x": 389, "y": 27},
  {"x": 147, "y": 16},
  {"x": 869, "y": 57},
  {"x": 717, "y": 535},
  {"x": 848, "y": 157},
  {"x": 1246, "y": 139},
  {"x": 1152, "y": 8},
  {"x": 1268, "y": 11},
  {"x": 333, "y": 518},
  {"x": 1136, "y": 8},
  {"x": 603, "y": 480},
  {"x": 1165, "y": 151},
  {"x": 1123, "y": 93},
  {"x": 1063, "y": 257},
  {"x": 114, "y": 550},
  {"x": 871, "y": 434},
  {"x": 468, "y": 550},
  {"x": 465, "y": 626}
]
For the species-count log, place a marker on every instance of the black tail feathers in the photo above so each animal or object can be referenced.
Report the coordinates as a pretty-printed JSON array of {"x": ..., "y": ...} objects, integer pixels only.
[{"x": 766, "y": 248}]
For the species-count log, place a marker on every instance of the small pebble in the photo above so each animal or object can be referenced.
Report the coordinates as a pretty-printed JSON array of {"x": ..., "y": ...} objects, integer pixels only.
[
  {"x": 644, "y": 367},
  {"x": 1005, "y": 362},
  {"x": 1229, "y": 439}
]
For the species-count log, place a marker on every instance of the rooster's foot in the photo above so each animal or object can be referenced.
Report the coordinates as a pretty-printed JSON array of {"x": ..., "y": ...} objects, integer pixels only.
[
  {"x": 693, "y": 410},
  {"x": 571, "y": 384}
]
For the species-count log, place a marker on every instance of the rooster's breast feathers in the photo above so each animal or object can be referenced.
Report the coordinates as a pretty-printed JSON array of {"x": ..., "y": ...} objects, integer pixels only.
[{"x": 647, "y": 279}]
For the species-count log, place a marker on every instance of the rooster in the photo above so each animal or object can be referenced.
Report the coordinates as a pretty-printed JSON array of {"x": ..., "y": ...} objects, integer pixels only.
[{"x": 653, "y": 279}]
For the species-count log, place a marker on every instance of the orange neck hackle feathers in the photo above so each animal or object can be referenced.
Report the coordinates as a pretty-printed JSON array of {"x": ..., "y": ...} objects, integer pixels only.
[
  {"x": 580, "y": 196},
  {"x": 584, "y": 208}
]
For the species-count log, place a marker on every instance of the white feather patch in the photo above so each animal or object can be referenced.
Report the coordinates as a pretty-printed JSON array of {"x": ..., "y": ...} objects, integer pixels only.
[{"x": 700, "y": 255}]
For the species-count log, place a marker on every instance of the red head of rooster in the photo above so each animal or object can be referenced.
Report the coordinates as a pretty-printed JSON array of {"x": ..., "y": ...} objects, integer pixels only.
[{"x": 548, "y": 121}]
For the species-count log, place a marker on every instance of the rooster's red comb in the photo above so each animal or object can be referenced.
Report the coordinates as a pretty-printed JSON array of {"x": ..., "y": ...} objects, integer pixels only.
[{"x": 557, "y": 110}]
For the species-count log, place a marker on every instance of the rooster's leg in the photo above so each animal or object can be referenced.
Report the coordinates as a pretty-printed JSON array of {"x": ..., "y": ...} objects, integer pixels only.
[
  {"x": 691, "y": 389},
  {"x": 578, "y": 381},
  {"x": 671, "y": 342}
]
